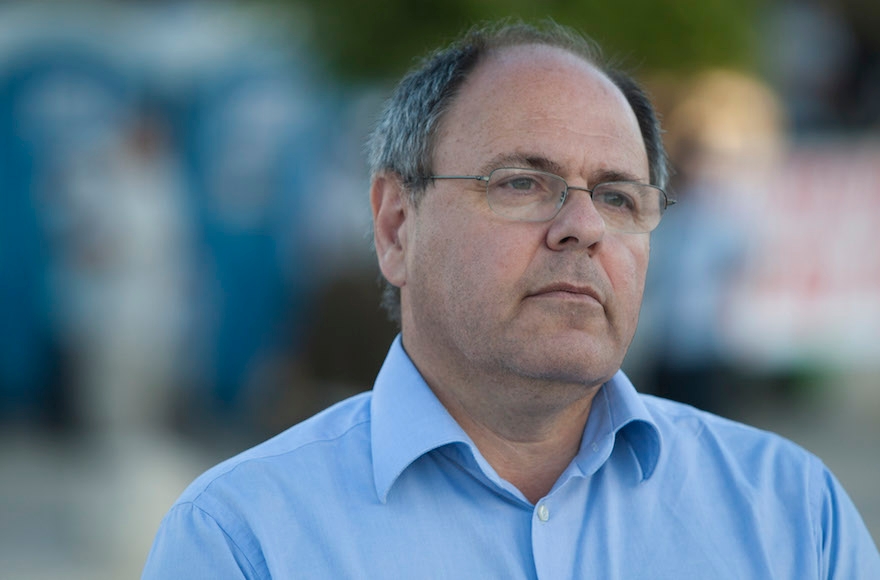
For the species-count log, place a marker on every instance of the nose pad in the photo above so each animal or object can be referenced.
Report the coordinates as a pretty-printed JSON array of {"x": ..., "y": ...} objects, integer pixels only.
[{"x": 577, "y": 223}]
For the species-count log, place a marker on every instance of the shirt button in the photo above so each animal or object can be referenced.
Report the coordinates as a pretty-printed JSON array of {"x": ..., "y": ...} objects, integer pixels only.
[{"x": 543, "y": 513}]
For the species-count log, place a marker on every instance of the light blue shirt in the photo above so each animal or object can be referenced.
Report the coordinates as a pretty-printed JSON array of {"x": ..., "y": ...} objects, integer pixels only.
[{"x": 387, "y": 485}]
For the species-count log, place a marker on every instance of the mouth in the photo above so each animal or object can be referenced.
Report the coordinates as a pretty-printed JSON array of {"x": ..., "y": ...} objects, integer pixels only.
[{"x": 565, "y": 291}]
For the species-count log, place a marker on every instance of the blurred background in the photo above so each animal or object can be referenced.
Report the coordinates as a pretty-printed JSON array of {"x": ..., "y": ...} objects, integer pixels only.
[{"x": 185, "y": 256}]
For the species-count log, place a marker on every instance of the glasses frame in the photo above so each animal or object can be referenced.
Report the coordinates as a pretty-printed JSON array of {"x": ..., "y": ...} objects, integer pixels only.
[{"x": 665, "y": 197}]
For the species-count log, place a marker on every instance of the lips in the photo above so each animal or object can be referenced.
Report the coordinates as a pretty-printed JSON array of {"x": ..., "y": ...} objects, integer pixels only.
[{"x": 564, "y": 289}]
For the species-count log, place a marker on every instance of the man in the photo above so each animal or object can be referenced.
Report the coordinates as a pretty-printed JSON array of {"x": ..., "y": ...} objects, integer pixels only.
[{"x": 516, "y": 180}]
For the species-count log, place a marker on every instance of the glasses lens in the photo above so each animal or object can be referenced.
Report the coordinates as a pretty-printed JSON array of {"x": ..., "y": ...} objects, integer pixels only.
[
  {"x": 628, "y": 206},
  {"x": 524, "y": 194}
]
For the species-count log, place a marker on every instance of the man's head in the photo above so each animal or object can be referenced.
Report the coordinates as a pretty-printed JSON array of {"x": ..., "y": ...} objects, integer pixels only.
[
  {"x": 556, "y": 300},
  {"x": 404, "y": 138}
]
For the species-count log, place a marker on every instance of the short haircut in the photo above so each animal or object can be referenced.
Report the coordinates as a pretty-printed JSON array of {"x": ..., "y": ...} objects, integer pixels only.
[{"x": 404, "y": 138}]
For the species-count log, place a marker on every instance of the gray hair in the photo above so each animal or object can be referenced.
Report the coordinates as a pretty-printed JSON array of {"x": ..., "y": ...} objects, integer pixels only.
[{"x": 404, "y": 137}]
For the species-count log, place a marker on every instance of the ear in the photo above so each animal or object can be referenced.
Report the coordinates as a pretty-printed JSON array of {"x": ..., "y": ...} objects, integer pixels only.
[{"x": 390, "y": 210}]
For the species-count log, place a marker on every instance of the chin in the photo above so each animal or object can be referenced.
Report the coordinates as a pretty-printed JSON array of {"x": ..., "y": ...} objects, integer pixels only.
[{"x": 583, "y": 366}]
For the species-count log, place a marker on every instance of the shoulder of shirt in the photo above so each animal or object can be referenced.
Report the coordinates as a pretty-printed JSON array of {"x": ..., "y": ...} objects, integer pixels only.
[
  {"x": 759, "y": 463},
  {"x": 678, "y": 421},
  {"x": 330, "y": 425}
]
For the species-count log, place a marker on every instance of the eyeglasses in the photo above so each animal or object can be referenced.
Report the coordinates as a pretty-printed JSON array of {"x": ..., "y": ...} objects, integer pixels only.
[{"x": 530, "y": 195}]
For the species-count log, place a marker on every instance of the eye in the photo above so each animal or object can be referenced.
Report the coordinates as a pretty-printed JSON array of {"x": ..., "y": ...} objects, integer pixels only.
[
  {"x": 616, "y": 198},
  {"x": 520, "y": 183}
]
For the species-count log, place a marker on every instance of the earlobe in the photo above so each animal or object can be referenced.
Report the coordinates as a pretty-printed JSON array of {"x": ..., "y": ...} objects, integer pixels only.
[{"x": 390, "y": 210}]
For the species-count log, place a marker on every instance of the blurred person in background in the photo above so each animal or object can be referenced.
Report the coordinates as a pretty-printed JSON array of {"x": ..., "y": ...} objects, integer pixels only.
[
  {"x": 516, "y": 180},
  {"x": 723, "y": 136},
  {"x": 131, "y": 366}
]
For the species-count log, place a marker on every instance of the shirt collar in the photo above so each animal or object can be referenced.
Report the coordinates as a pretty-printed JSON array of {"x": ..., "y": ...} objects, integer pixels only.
[
  {"x": 619, "y": 412},
  {"x": 408, "y": 421}
]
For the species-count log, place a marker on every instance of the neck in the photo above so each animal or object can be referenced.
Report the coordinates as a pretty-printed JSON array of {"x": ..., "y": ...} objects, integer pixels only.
[
  {"x": 529, "y": 431},
  {"x": 531, "y": 452}
]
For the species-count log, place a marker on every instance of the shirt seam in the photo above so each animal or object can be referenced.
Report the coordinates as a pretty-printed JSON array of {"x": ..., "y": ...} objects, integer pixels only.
[
  {"x": 300, "y": 447},
  {"x": 229, "y": 536},
  {"x": 816, "y": 468}
]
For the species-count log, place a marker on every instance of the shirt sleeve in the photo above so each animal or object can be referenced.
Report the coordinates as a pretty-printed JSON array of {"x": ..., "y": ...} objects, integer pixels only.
[
  {"x": 192, "y": 545},
  {"x": 846, "y": 547}
]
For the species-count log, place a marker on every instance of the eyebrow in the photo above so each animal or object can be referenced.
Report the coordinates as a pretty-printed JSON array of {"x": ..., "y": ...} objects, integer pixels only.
[
  {"x": 606, "y": 175},
  {"x": 541, "y": 163},
  {"x": 524, "y": 160}
]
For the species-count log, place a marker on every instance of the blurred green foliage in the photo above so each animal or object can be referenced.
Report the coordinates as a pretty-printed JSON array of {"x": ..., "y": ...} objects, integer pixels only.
[{"x": 370, "y": 39}]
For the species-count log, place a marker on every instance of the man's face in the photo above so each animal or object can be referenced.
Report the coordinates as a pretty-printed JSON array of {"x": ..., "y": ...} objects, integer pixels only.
[{"x": 485, "y": 297}]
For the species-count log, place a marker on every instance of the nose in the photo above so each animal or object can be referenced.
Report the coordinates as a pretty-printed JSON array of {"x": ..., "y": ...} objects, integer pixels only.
[{"x": 578, "y": 224}]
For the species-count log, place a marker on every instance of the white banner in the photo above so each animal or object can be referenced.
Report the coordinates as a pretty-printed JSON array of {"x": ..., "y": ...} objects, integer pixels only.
[{"x": 811, "y": 291}]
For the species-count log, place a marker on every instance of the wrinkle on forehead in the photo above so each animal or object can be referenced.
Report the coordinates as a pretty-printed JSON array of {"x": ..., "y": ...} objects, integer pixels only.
[
  {"x": 559, "y": 96},
  {"x": 589, "y": 162}
]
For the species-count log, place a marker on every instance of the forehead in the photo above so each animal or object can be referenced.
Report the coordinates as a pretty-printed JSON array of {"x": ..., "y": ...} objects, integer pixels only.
[{"x": 535, "y": 100}]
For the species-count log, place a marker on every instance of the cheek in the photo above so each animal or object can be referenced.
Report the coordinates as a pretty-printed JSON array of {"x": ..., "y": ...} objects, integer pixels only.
[
  {"x": 496, "y": 259},
  {"x": 627, "y": 274},
  {"x": 483, "y": 277},
  {"x": 448, "y": 260}
]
